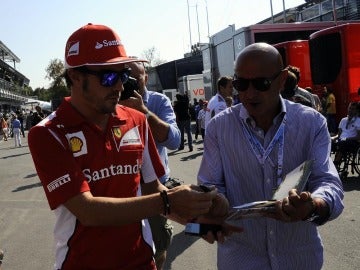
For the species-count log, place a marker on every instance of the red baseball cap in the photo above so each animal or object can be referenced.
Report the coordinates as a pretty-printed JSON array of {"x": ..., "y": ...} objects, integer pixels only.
[{"x": 95, "y": 45}]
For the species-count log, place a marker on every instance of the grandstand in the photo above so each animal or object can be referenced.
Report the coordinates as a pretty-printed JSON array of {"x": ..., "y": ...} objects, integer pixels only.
[{"x": 13, "y": 84}]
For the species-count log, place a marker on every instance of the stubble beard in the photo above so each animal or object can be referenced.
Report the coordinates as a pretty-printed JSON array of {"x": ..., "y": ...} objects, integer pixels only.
[{"x": 98, "y": 105}]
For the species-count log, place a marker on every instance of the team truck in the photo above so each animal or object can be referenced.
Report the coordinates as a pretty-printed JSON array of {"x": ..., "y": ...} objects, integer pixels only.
[
  {"x": 193, "y": 85},
  {"x": 335, "y": 63},
  {"x": 296, "y": 53},
  {"x": 171, "y": 94},
  {"x": 224, "y": 46}
]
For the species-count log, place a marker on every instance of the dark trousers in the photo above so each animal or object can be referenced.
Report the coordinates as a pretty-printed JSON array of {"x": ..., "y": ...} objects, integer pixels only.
[{"x": 185, "y": 126}]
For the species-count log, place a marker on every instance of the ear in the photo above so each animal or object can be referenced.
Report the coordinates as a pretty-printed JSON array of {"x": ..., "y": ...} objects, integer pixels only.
[
  {"x": 146, "y": 78},
  {"x": 74, "y": 76},
  {"x": 282, "y": 79}
]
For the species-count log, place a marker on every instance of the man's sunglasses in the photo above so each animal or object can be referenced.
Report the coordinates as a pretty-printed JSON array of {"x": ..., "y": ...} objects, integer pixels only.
[
  {"x": 108, "y": 78},
  {"x": 260, "y": 84}
]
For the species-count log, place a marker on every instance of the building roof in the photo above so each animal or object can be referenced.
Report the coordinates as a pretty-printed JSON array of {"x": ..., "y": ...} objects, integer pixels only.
[{"x": 7, "y": 55}]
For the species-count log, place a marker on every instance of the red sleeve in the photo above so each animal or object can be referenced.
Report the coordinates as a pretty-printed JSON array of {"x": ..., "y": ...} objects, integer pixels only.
[{"x": 60, "y": 175}]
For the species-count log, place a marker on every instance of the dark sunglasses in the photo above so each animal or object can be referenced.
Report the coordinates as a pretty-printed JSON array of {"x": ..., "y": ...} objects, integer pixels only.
[
  {"x": 260, "y": 84},
  {"x": 108, "y": 78}
]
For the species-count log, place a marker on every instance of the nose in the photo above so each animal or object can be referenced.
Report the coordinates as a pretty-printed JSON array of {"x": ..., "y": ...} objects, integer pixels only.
[{"x": 251, "y": 91}]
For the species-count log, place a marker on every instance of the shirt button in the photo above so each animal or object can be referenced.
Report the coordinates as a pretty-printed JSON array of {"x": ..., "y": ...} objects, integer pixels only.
[
  {"x": 271, "y": 232},
  {"x": 268, "y": 181},
  {"x": 273, "y": 255}
]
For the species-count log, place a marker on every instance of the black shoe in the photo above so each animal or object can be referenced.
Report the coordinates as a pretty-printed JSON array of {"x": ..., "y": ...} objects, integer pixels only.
[
  {"x": 181, "y": 148},
  {"x": 1, "y": 256},
  {"x": 191, "y": 149}
]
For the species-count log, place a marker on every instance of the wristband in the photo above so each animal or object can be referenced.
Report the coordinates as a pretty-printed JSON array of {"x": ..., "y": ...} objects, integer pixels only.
[
  {"x": 147, "y": 114},
  {"x": 166, "y": 202}
]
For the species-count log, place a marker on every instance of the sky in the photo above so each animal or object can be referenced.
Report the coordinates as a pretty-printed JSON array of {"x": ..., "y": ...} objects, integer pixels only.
[{"x": 36, "y": 31}]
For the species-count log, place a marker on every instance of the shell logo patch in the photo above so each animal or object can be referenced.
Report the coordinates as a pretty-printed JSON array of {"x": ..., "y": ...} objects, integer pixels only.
[
  {"x": 117, "y": 132},
  {"x": 77, "y": 143}
]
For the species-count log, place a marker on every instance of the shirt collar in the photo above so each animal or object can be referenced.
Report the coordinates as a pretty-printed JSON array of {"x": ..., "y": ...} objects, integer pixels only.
[
  {"x": 248, "y": 119},
  {"x": 146, "y": 96}
]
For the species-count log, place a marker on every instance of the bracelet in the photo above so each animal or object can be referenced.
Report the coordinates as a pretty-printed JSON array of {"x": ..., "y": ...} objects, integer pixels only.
[
  {"x": 147, "y": 114},
  {"x": 166, "y": 202}
]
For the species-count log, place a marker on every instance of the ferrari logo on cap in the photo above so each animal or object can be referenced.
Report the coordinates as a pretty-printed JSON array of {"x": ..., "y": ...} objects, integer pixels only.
[{"x": 74, "y": 49}]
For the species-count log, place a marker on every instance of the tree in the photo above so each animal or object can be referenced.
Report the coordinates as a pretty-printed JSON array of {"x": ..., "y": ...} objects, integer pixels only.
[
  {"x": 152, "y": 56},
  {"x": 54, "y": 72},
  {"x": 58, "y": 89}
]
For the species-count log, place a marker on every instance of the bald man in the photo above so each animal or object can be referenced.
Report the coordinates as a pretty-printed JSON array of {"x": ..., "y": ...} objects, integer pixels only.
[{"x": 249, "y": 148}]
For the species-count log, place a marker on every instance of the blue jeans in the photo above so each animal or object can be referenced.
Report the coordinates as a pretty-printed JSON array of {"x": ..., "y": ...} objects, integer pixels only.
[{"x": 185, "y": 125}]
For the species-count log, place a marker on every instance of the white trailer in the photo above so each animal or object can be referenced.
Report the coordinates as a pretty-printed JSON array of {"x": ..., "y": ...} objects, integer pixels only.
[{"x": 193, "y": 85}]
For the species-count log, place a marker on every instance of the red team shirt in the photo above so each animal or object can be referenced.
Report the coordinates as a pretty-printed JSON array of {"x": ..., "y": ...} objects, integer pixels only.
[{"x": 72, "y": 156}]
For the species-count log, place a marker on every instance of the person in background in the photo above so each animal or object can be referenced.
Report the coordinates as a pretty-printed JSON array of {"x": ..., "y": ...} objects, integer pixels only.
[
  {"x": 330, "y": 110},
  {"x": 317, "y": 100},
  {"x": 201, "y": 119},
  {"x": 4, "y": 127},
  {"x": 229, "y": 101},
  {"x": 301, "y": 95},
  {"x": 290, "y": 91},
  {"x": 162, "y": 121},
  {"x": 29, "y": 120},
  {"x": 16, "y": 129},
  {"x": 248, "y": 150},
  {"x": 37, "y": 116},
  {"x": 217, "y": 103},
  {"x": 20, "y": 117},
  {"x": 348, "y": 137},
  {"x": 91, "y": 156},
  {"x": 197, "y": 108},
  {"x": 183, "y": 120}
]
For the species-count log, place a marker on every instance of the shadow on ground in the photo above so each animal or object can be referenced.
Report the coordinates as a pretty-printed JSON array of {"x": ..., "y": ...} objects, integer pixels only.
[
  {"x": 179, "y": 244},
  {"x": 351, "y": 183}
]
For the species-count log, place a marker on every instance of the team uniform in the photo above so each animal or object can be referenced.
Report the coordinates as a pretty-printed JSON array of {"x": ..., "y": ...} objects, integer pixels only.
[
  {"x": 216, "y": 104},
  {"x": 72, "y": 156}
]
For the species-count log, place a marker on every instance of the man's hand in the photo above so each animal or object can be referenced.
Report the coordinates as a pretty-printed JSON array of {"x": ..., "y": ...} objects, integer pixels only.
[
  {"x": 135, "y": 102},
  {"x": 188, "y": 202},
  {"x": 295, "y": 207},
  {"x": 217, "y": 215}
]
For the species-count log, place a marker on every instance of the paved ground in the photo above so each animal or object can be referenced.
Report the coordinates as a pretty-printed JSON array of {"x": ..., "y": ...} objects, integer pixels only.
[{"x": 26, "y": 223}]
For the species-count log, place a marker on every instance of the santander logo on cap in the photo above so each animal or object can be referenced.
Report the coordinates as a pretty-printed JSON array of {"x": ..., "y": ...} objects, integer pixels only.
[{"x": 106, "y": 43}]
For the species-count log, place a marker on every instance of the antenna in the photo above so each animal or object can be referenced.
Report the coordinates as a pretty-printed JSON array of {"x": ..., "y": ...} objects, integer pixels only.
[{"x": 189, "y": 22}]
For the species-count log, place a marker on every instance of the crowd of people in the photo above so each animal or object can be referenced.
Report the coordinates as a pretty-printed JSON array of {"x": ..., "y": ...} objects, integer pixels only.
[
  {"x": 14, "y": 124},
  {"x": 114, "y": 212}
]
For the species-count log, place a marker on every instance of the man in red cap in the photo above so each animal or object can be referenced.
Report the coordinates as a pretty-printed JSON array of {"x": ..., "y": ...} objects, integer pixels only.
[{"x": 89, "y": 155}]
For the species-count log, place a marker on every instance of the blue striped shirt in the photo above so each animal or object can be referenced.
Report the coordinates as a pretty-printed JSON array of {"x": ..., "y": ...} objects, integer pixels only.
[
  {"x": 230, "y": 164},
  {"x": 160, "y": 105}
]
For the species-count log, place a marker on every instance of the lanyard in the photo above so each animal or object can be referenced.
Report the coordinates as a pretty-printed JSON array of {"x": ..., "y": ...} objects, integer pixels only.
[{"x": 261, "y": 153}]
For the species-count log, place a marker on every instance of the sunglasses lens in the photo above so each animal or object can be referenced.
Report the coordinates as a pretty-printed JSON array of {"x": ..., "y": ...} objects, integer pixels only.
[
  {"x": 109, "y": 79},
  {"x": 241, "y": 84},
  {"x": 261, "y": 84},
  {"x": 124, "y": 75}
]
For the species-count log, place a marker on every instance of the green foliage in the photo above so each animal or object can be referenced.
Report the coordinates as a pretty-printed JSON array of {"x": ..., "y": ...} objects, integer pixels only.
[{"x": 57, "y": 89}]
